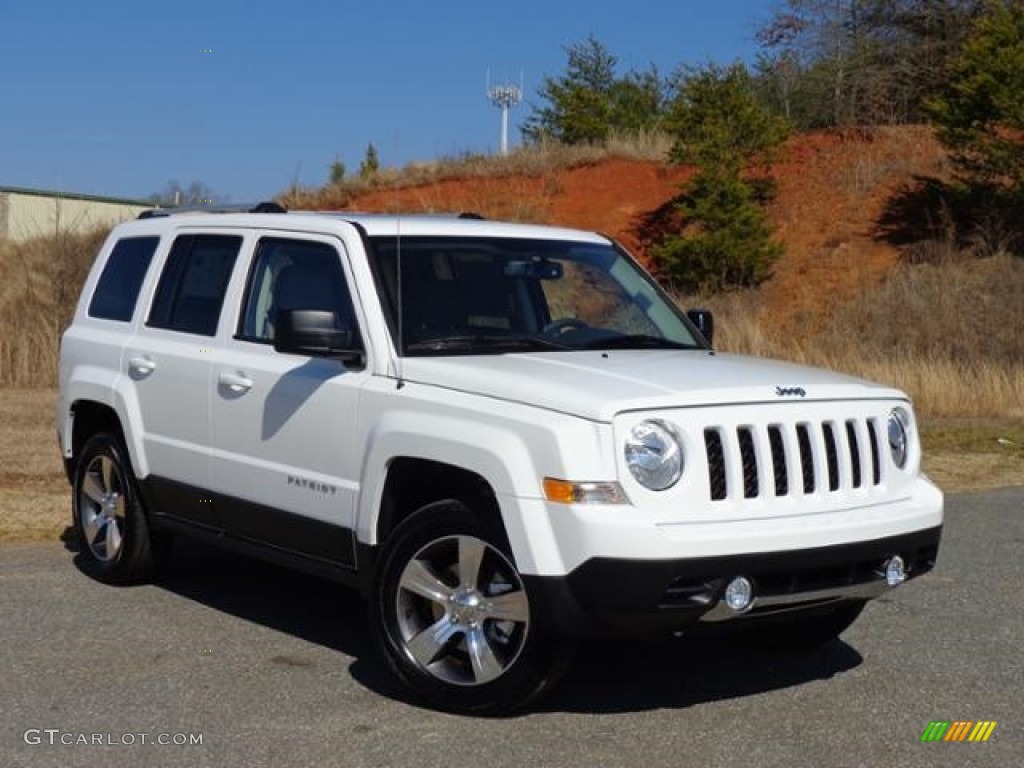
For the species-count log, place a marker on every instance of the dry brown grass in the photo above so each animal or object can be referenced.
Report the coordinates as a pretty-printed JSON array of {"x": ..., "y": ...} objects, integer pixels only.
[
  {"x": 34, "y": 502},
  {"x": 885, "y": 153},
  {"x": 543, "y": 160},
  {"x": 973, "y": 454},
  {"x": 517, "y": 198},
  {"x": 39, "y": 289},
  {"x": 948, "y": 334}
]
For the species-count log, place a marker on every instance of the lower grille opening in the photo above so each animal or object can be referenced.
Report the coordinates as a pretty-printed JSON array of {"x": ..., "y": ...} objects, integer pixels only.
[
  {"x": 823, "y": 577},
  {"x": 924, "y": 559},
  {"x": 694, "y": 592}
]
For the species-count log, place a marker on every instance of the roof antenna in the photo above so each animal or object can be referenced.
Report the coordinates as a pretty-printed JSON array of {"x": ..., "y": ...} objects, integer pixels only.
[{"x": 401, "y": 334}]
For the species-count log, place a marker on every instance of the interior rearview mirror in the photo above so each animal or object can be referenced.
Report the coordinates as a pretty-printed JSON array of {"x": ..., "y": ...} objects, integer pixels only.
[{"x": 541, "y": 269}]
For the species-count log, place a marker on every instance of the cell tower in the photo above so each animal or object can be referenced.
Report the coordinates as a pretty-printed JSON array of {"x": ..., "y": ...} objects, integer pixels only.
[{"x": 504, "y": 97}]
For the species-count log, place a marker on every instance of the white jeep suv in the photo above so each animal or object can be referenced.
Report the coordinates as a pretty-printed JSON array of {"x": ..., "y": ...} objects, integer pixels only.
[{"x": 505, "y": 436}]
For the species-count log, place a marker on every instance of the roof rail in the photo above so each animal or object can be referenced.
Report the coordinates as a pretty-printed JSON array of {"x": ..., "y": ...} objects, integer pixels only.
[{"x": 267, "y": 206}]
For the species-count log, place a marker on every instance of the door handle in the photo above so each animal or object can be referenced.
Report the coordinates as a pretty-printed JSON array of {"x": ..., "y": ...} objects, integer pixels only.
[
  {"x": 236, "y": 382},
  {"x": 141, "y": 366}
]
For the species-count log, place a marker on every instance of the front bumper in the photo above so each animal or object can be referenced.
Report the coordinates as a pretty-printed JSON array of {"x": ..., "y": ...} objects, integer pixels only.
[{"x": 608, "y": 596}]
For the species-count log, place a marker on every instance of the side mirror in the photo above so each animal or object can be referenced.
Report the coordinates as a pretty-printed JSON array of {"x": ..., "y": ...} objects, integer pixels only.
[
  {"x": 704, "y": 321},
  {"x": 313, "y": 332}
]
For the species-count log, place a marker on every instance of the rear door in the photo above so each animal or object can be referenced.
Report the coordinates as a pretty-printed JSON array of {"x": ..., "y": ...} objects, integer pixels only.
[
  {"x": 284, "y": 460},
  {"x": 169, "y": 361}
]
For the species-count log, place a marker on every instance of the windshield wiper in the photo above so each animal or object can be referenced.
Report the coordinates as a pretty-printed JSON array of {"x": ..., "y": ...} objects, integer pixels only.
[
  {"x": 636, "y": 341},
  {"x": 487, "y": 342}
]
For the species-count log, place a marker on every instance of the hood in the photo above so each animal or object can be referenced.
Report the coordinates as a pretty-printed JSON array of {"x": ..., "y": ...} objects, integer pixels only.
[{"x": 599, "y": 384}]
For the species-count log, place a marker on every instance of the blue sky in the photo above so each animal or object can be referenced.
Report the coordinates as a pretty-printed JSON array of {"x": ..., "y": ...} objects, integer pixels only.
[{"x": 117, "y": 98}]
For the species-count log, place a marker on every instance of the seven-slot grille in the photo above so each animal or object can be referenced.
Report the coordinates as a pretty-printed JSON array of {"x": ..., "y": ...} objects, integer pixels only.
[{"x": 787, "y": 459}]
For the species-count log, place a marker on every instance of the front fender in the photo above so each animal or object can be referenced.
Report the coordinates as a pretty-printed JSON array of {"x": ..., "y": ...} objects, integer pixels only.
[
  {"x": 499, "y": 456},
  {"x": 512, "y": 446}
]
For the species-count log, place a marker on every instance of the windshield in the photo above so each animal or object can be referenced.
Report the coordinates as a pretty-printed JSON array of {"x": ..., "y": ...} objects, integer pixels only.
[{"x": 471, "y": 295}]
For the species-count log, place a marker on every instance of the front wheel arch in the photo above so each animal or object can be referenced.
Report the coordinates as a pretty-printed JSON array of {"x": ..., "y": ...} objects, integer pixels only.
[{"x": 413, "y": 483}]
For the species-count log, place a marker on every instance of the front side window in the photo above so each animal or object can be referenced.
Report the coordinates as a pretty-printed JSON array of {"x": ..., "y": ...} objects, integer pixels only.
[
  {"x": 117, "y": 290},
  {"x": 191, "y": 291},
  {"x": 293, "y": 274},
  {"x": 469, "y": 295}
]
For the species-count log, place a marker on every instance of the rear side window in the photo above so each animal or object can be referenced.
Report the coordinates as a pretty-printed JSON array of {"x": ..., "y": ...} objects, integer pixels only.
[
  {"x": 190, "y": 294},
  {"x": 117, "y": 290}
]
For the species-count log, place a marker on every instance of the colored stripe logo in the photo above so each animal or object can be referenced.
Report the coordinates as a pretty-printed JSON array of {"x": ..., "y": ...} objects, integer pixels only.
[{"x": 958, "y": 730}]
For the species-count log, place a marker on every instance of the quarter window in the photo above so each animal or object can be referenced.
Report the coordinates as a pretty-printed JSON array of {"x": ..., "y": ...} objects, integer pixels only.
[
  {"x": 117, "y": 290},
  {"x": 191, "y": 290}
]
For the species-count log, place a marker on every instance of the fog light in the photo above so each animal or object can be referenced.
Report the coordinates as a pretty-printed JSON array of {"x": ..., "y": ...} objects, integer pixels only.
[
  {"x": 739, "y": 594},
  {"x": 895, "y": 571}
]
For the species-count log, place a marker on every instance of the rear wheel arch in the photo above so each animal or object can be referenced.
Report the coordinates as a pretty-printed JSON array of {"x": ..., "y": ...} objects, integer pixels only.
[{"x": 90, "y": 418}]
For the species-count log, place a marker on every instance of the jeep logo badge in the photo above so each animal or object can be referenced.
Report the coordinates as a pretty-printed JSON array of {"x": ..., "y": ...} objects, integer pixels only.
[{"x": 790, "y": 392}]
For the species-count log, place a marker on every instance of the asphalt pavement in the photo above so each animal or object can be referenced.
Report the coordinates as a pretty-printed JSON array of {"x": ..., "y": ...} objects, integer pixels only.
[{"x": 250, "y": 665}]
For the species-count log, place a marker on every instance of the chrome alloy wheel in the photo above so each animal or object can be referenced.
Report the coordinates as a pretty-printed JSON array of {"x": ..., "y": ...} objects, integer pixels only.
[
  {"x": 102, "y": 508},
  {"x": 462, "y": 611}
]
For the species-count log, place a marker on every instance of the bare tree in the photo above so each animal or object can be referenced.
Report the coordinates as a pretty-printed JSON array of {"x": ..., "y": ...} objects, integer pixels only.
[
  {"x": 849, "y": 62},
  {"x": 196, "y": 193}
]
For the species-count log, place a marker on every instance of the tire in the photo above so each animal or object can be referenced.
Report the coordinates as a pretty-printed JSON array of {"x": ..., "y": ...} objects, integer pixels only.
[
  {"x": 108, "y": 515},
  {"x": 804, "y": 633},
  {"x": 452, "y": 618}
]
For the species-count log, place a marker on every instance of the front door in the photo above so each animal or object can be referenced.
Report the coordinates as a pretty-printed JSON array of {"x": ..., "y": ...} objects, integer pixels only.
[{"x": 284, "y": 462}]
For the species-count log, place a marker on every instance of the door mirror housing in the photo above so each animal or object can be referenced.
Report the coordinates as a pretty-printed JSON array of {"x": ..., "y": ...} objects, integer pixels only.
[
  {"x": 705, "y": 322},
  {"x": 315, "y": 333}
]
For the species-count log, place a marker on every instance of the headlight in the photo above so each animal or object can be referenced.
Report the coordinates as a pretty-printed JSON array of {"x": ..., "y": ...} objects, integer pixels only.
[
  {"x": 654, "y": 455},
  {"x": 899, "y": 436}
]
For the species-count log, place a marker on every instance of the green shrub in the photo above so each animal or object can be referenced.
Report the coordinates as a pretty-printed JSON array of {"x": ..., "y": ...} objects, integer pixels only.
[{"x": 721, "y": 127}]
